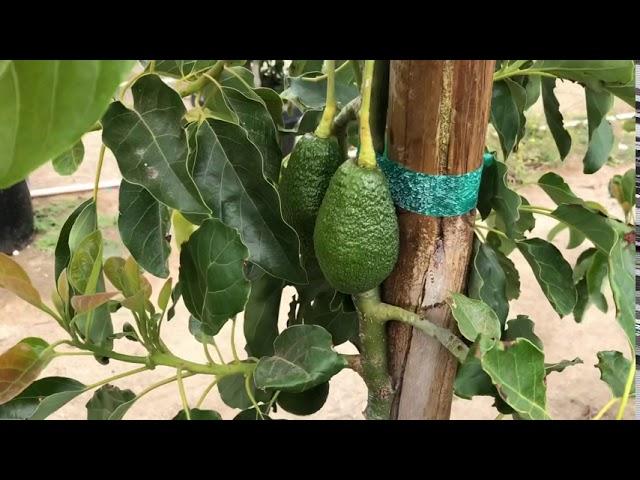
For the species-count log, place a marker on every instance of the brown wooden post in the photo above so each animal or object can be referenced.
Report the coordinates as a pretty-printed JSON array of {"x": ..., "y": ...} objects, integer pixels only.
[{"x": 437, "y": 121}]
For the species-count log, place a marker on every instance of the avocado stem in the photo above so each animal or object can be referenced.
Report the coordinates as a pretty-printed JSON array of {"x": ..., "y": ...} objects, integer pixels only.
[
  {"x": 366, "y": 155},
  {"x": 324, "y": 127}
]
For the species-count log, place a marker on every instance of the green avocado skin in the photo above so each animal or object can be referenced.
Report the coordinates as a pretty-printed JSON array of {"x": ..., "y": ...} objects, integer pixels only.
[
  {"x": 304, "y": 181},
  {"x": 356, "y": 235}
]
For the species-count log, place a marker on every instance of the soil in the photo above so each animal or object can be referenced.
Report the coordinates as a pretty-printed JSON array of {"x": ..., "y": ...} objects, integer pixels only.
[{"x": 576, "y": 393}]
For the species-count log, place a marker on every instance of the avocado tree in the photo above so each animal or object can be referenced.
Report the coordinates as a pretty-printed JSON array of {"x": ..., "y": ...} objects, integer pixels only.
[{"x": 389, "y": 183}]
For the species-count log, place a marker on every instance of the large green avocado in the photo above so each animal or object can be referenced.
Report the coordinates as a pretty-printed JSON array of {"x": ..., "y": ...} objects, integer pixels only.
[
  {"x": 356, "y": 234},
  {"x": 304, "y": 181}
]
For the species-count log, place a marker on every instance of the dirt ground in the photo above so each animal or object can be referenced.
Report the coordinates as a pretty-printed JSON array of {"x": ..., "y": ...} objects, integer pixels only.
[{"x": 576, "y": 393}]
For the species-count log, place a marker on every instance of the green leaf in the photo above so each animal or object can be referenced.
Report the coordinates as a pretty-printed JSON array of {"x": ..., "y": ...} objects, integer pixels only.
[
  {"x": 68, "y": 162},
  {"x": 471, "y": 380},
  {"x": 150, "y": 144},
  {"x": 41, "y": 398},
  {"x": 63, "y": 252},
  {"x": 488, "y": 281},
  {"x": 522, "y": 327},
  {"x": 261, "y": 315},
  {"x": 233, "y": 392},
  {"x": 614, "y": 371},
  {"x": 517, "y": 370},
  {"x": 582, "y": 300},
  {"x": 21, "y": 365},
  {"x": 342, "y": 325},
  {"x": 499, "y": 197},
  {"x": 532, "y": 88},
  {"x": 558, "y": 190},
  {"x": 84, "y": 225},
  {"x": 596, "y": 274},
  {"x": 227, "y": 168},
  {"x": 560, "y": 366},
  {"x": 105, "y": 400},
  {"x": 252, "y": 414},
  {"x": 182, "y": 68},
  {"x": 241, "y": 79},
  {"x": 197, "y": 414},
  {"x": 505, "y": 115},
  {"x": 554, "y": 117},
  {"x": 254, "y": 117},
  {"x": 144, "y": 225},
  {"x": 600, "y": 131},
  {"x": 622, "y": 281},
  {"x": 304, "y": 403},
  {"x": 615, "y": 76},
  {"x": 47, "y": 105},
  {"x": 592, "y": 225},
  {"x": 86, "y": 263},
  {"x": 303, "y": 358},
  {"x": 182, "y": 228},
  {"x": 622, "y": 188},
  {"x": 519, "y": 96},
  {"x": 212, "y": 279},
  {"x": 475, "y": 319},
  {"x": 553, "y": 273},
  {"x": 512, "y": 287},
  {"x": 217, "y": 104},
  {"x": 165, "y": 295},
  {"x": 273, "y": 102},
  {"x": 313, "y": 94},
  {"x": 300, "y": 67},
  {"x": 16, "y": 280}
]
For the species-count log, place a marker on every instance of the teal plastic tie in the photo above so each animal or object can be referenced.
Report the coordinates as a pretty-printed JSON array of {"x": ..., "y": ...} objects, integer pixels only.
[{"x": 433, "y": 195}]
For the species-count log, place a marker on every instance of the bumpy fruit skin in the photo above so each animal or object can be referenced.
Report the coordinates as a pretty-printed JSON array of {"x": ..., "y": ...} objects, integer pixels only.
[
  {"x": 304, "y": 181},
  {"x": 356, "y": 235}
]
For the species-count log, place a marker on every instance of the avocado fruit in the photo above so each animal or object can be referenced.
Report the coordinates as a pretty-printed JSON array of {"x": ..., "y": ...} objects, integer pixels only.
[
  {"x": 303, "y": 183},
  {"x": 356, "y": 235}
]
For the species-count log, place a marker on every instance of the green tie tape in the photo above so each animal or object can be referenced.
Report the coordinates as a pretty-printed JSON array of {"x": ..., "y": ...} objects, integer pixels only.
[{"x": 433, "y": 195}]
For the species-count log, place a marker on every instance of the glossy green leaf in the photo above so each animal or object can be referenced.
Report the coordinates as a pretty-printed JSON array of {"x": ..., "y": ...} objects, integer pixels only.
[
  {"x": 300, "y": 67},
  {"x": 216, "y": 103},
  {"x": 252, "y": 414},
  {"x": 622, "y": 188},
  {"x": 517, "y": 370},
  {"x": 47, "y": 105},
  {"x": 41, "y": 398},
  {"x": 522, "y": 327},
  {"x": 68, "y": 162},
  {"x": 254, "y": 117},
  {"x": 303, "y": 358},
  {"x": 150, "y": 144},
  {"x": 261, "y": 315},
  {"x": 145, "y": 225},
  {"x": 596, "y": 274},
  {"x": 15, "y": 279},
  {"x": 614, "y": 371},
  {"x": 498, "y": 196},
  {"x": 197, "y": 414},
  {"x": 165, "y": 295},
  {"x": 553, "y": 273},
  {"x": 475, "y": 319},
  {"x": 233, "y": 392},
  {"x": 560, "y": 366},
  {"x": 85, "y": 224},
  {"x": 615, "y": 76},
  {"x": 532, "y": 89},
  {"x": 182, "y": 228},
  {"x": 342, "y": 325},
  {"x": 182, "y": 68},
  {"x": 240, "y": 78},
  {"x": 21, "y": 365},
  {"x": 505, "y": 116},
  {"x": 304, "y": 403},
  {"x": 600, "y": 131},
  {"x": 512, "y": 287},
  {"x": 86, "y": 263},
  {"x": 554, "y": 117},
  {"x": 488, "y": 282},
  {"x": 63, "y": 252},
  {"x": 582, "y": 300},
  {"x": 622, "y": 281},
  {"x": 312, "y": 94},
  {"x": 592, "y": 225},
  {"x": 557, "y": 189},
  {"x": 212, "y": 280},
  {"x": 519, "y": 96},
  {"x": 105, "y": 400},
  {"x": 227, "y": 168},
  {"x": 273, "y": 102},
  {"x": 471, "y": 380}
]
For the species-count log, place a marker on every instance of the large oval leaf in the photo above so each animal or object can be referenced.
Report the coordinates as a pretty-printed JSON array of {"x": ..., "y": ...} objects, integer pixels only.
[
  {"x": 144, "y": 225},
  {"x": 21, "y": 365},
  {"x": 261, "y": 315},
  {"x": 303, "y": 358},
  {"x": 46, "y": 106},
  {"x": 476, "y": 320},
  {"x": 150, "y": 145},
  {"x": 106, "y": 400},
  {"x": 488, "y": 281},
  {"x": 41, "y": 398},
  {"x": 227, "y": 168},
  {"x": 212, "y": 279}
]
